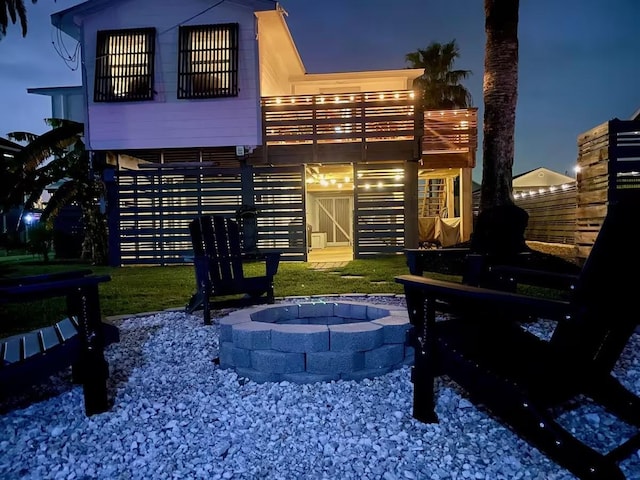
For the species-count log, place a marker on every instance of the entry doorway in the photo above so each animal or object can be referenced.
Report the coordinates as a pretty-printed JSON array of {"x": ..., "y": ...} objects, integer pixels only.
[{"x": 329, "y": 211}]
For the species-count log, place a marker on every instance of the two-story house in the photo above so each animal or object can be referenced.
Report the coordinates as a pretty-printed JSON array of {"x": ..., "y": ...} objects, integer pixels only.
[{"x": 200, "y": 107}]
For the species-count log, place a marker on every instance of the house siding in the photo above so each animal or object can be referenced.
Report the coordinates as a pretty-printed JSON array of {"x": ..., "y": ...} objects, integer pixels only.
[{"x": 166, "y": 122}]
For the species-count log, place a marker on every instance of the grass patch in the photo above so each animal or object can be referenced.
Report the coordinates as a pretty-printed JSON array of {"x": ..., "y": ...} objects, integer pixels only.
[
  {"x": 141, "y": 289},
  {"x": 144, "y": 289}
]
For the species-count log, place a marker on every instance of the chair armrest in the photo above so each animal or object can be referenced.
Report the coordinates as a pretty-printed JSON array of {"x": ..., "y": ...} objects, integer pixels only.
[
  {"x": 272, "y": 260},
  {"x": 517, "y": 275},
  {"x": 470, "y": 297},
  {"x": 42, "y": 278},
  {"x": 52, "y": 288}
]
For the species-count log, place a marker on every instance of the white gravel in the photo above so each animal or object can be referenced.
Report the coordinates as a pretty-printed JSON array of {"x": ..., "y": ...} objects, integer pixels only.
[{"x": 179, "y": 416}]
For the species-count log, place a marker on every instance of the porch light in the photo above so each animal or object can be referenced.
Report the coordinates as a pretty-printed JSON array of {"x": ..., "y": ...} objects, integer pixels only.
[
  {"x": 381, "y": 96},
  {"x": 352, "y": 98},
  {"x": 278, "y": 100},
  {"x": 293, "y": 100},
  {"x": 336, "y": 99},
  {"x": 397, "y": 95}
]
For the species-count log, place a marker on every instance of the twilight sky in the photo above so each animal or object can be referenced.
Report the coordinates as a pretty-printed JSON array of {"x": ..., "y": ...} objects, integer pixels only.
[{"x": 579, "y": 61}]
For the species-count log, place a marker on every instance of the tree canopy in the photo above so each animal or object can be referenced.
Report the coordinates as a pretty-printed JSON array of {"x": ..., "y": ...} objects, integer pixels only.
[
  {"x": 440, "y": 84},
  {"x": 59, "y": 156}
]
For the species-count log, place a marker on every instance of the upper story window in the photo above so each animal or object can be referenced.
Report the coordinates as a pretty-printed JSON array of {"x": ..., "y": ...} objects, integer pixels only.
[
  {"x": 208, "y": 61},
  {"x": 124, "y": 65}
]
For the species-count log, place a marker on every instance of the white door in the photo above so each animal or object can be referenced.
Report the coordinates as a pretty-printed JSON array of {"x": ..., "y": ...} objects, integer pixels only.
[{"x": 335, "y": 218}]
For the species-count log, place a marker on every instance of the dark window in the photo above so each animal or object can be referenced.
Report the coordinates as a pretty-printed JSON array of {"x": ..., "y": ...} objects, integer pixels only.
[
  {"x": 124, "y": 65},
  {"x": 208, "y": 61}
]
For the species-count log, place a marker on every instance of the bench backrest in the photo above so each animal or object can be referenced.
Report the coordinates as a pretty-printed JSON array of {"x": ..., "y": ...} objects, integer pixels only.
[
  {"x": 606, "y": 313},
  {"x": 217, "y": 238}
]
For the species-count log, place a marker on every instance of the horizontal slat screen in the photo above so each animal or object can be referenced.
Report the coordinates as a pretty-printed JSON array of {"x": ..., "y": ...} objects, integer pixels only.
[{"x": 379, "y": 198}]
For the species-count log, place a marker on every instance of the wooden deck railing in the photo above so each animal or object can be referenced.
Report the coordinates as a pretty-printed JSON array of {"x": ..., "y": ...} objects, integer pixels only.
[
  {"x": 450, "y": 131},
  {"x": 339, "y": 118}
]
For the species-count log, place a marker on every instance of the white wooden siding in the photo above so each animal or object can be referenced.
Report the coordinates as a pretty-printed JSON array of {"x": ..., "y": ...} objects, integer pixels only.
[{"x": 166, "y": 121}]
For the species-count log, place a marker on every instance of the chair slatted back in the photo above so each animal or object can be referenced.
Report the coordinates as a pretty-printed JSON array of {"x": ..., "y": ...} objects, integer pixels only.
[
  {"x": 606, "y": 311},
  {"x": 218, "y": 239}
]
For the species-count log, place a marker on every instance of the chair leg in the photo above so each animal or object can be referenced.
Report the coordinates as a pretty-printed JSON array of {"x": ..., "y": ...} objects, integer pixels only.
[
  {"x": 423, "y": 390},
  {"x": 206, "y": 307},
  {"x": 615, "y": 397},
  {"x": 542, "y": 431}
]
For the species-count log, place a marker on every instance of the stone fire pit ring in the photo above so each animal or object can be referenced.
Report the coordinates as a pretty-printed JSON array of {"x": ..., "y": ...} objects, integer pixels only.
[{"x": 315, "y": 341}]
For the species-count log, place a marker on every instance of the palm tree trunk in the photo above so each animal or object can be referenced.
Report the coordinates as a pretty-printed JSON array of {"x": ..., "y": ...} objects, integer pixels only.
[{"x": 500, "y": 90}]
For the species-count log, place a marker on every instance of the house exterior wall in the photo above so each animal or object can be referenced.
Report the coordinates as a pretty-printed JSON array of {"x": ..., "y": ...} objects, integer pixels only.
[
  {"x": 279, "y": 58},
  {"x": 165, "y": 121}
]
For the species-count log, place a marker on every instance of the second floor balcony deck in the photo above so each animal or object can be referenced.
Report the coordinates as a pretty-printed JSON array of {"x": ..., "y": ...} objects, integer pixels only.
[{"x": 367, "y": 126}]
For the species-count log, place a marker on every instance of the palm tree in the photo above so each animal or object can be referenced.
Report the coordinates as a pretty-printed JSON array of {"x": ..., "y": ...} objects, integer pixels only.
[
  {"x": 440, "y": 84},
  {"x": 13, "y": 10},
  {"x": 59, "y": 155},
  {"x": 500, "y": 91}
]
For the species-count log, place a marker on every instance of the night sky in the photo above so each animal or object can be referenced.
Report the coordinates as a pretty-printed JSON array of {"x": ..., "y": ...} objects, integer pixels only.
[{"x": 579, "y": 60}]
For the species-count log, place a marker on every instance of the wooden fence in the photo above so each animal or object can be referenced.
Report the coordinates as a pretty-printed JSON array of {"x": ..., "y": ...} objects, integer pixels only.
[
  {"x": 609, "y": 163},
  {"x": 552, "y": 214}
]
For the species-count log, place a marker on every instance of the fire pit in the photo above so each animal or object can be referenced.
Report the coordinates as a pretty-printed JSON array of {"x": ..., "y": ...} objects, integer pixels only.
[{"x": 315, "y": 341}]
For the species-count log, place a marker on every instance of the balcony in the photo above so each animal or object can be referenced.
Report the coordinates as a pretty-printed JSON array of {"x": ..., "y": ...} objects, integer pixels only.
[{"x": 352, "y": 127}]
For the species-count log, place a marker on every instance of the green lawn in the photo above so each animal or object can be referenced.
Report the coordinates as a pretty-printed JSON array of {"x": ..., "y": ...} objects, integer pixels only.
[{"x": 143, "y": 289}]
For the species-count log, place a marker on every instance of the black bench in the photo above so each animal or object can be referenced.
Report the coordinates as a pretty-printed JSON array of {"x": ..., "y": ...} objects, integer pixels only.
[
  {"x": 77, "y": 341},
  {"x": 523, "y": 379}
]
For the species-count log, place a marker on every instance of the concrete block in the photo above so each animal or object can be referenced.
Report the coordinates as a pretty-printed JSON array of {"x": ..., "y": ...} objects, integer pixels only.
[
  {"x": 252, "y": 335},
  {"x": 272, "y": 361},
  {"x": 315, "y": 309},
  {"x": 373, "y": 313},
  {"x": 355, "y": 337},
  {"x": 334, "y": 362},
  {"x": 300, "y": 338},
  {"x": 241, "y": 357},
  {"x": 351, "y": 310},
  {"x": 409, "y": 355},
  {"x": 227, "y": 323},
  {"x": 384, "y": 356},
  {"x": 225, "y": 354},
  {"x": 275, "y": 314},
  {"x": 394, "y": 328}
]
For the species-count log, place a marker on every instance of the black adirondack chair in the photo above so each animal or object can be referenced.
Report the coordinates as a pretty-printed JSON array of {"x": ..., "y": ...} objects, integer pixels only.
[
  {"x": 219, "y": 267},
  {"x": 525, "y": 380},
  {"x": 77, "y": 340}
]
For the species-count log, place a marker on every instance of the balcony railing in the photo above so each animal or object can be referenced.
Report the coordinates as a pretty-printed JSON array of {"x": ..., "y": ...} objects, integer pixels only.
[
  {"x": 450, "y": 131},
  {"x": 339, "y": 118}
]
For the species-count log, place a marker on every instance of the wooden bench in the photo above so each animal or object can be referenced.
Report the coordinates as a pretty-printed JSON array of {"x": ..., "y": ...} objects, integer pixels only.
[
  {"x": 524, "y": 380},
  {"x": 77, "y": 341},
  {"x": 219, "y": 267}
]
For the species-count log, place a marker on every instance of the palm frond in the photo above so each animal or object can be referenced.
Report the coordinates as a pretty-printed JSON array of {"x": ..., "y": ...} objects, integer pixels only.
[
  {"x": 63, "y": 196},
  {"x": 48, "y": 144},
  {"x": 22, "y": 136}
]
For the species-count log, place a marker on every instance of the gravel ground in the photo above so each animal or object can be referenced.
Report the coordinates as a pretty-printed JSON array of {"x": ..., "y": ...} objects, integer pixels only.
[{"x": 178, "y": 415}]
